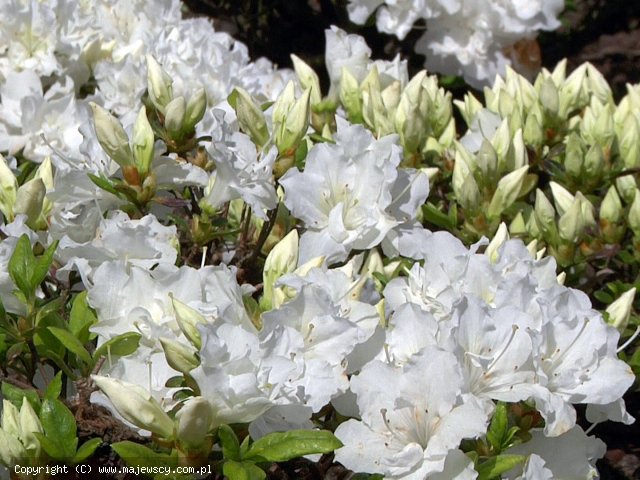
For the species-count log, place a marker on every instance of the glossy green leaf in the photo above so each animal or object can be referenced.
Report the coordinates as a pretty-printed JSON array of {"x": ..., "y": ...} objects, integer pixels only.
[
  {"x": 242, "y": 471},
  {"x": 54, "y": 388},
  {"x": 496, "y": 466},
  {"x": 86, "y": 450},
  {"x": 22, "y": 266},
  {"x": 283, "y": 446},
  {"x": 229, "y": 443},
  {"x": 139, "y": 455},
  {"x": 15, "y": 395},
  {"x": 72, "y": 344},
  {"x": 59, "y": 427},
  {"x": 120, "y": 346},
  {"x": 81, "y": 318}
]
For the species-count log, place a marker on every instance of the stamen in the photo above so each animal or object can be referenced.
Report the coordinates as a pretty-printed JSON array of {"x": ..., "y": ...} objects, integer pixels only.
[
  {"x": 514, "y": 329},
  {"x": 628, "y": 342}
]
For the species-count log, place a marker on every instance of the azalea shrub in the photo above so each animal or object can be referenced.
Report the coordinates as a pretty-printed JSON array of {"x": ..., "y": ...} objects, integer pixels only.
[{"x": 235, "y": 268}]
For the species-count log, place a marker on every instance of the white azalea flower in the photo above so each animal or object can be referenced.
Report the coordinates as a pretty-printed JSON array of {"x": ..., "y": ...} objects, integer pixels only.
[
  {"x": 345, "y": 195},
  {"x": 411, "y": 420}
]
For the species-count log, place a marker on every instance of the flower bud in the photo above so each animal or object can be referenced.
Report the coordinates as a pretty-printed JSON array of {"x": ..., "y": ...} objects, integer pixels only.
[
  {"x": 307, "y": 78},
  {"x": 251, "y": 118},
  {"x": 533, "y": 134},
  {"x": 574, "y": 155},
  {"x": 468, "y": 108},
  {"x": 545, "y": 216},
  {"x": 627, "y": 187},
  {"x": 500, "y": 237},
  {"x": 507, "y": 192},
  {"x": 188, "y": 320},
  {"x": 561, "y": 197},
  {"x": 350, "y": 96},
  {"x": 158, "y": 84},
  {"x": 629, "y": 141},
  {"x": 620, "y": 310},
  {"x": 29, "y": 200},
  {"x": 194, "y": 423},
  {"x": 611, "y": 207},
  {"x": 282, "y": 259},
  {"x": 136, "y": 405},
  {"x": 464, "y": 184},
  {"x": 29, "y": 424},
  {"x": 112, "y": 137},
  {"x": 143, "y": 142},
  {"x": 571, "y": 223},
  {"x": 295, "y": 125},
  {"x": 549, "y": 97},
  {"x": 174, "y": 117},
  {"x": 8, "y": 189},
  {"x": 598, "y": 85},
  {"x": 195, "y": 109},
  {"x": 179, "y": 356}
]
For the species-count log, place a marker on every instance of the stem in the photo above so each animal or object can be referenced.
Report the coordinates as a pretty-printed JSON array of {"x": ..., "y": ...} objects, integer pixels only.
[{"x": 264, "y": 233}]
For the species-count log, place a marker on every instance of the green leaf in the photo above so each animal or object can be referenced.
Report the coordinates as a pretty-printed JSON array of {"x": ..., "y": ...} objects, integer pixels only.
[
  {"x": 120, "y": 346},
  {"x": 283, "y": 446},
  {"x": 433, "y": 215},
  {"x": 242, "y": 471},
  {"x": 86, "y": 450},
  {"x": 53, "y": 448},
  {"x": 22, "y": 266},
  {"x": 495, "y": 466},
  {"x": 15, "y": 396},
  {"x": 498, "y": 427},
  {"x": 139, "y": 455},
  {"x": 104, "y": 183},
  {"x": 72, "y": 344},
  {"x": 229, "y": 443},
  {"x": 54, "y": 388},
  {"x": 81, "y": 318},
  {"x": 59, "y": 426},
  {"x": 43, "y": 262}
]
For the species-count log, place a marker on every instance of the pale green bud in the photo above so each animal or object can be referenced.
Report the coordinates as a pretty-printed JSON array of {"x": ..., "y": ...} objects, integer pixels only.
[
  {"x": 29, "y": 424},
  {"x": 634, "y": 214},
  {"x": 464, "y": 184},
  {"x": 307, "y": 78},
  {"x": 506, "y": 104},
  {"x": 629, "y": 142},
  {"x": 188, "y": 320},
  {"x": 562, "y": 276},
  {"x": 598, "y": 85},
  {"x": 112, "y": 137},
  {"x": 545, "y": 216},
  {"x": 594, "y": 162},
  {"x": 487, "y": 162},
  {"x": 283, "y": 104},
  {"x": 549, "y": 97},
  {"x": 136, "y": 405},
  {"x": 620, "y": 310},
  {"x": 532, "y": 248},
  {"x": 559, "y": 73},
  {"x": 469, "y": 108},
  {"x": 143, "y": 142},
  {"x": 158, "y": 84},
  {"x": 410, "y": 117},
  {"x": 195, "y": 109},
  {"x": 571, "y": 223},
  {"x": 350, "y": 96},
  {"x": 574, "y": 155},
  {"x": 533, "y": 134},
  {"x": 12, "y": 452},
  {"x": 251, "y": 118},
  {"x": 501, "y": 142},
  {"x": 29, "y": 200},
  {"x": 517, "y": 153},
  {"x": 179, "y": 356},
  {"x": 572, "y": 92},
  {"x": 296, "y": 124},
  {"x": 10, "y": 418},
  {"x": 611, "y": 207},
  {"x": 518, "y": 226},
  {"x": 8, "y": 189},
  {"x": 391, "y": 97},
  {"x": 507, "y": 192},
  {"x": 282, "y": 259},
  {"x": 500, "y": 237},
  {"x": 174, "y": 116},
  {"x": 626, "y": 186},
  {"x": 561, "y": 197},
  {"x": 194, "y": 423},
  {"x": 374, "y": 112}
]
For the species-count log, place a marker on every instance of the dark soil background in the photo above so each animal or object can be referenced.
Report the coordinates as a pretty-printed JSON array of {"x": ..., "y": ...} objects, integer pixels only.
[{"x": 603, "y": 32}]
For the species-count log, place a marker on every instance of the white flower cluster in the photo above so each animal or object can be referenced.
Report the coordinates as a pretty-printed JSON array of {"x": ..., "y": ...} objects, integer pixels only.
[
  {"x": 418, "y": 364},
  {"x": 471, "y": 38}
]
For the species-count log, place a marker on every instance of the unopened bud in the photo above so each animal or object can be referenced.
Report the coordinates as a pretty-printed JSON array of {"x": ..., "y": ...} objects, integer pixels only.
[
  {"x": 620, "y": 310},
  {"x": 112, "y": 137},
  {"x": 158, "y": 84},
  {"x": 507, "y": 192}
]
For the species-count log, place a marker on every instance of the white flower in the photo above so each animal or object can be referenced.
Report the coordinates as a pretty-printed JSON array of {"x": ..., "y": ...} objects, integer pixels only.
[
  {"x": 411, "y": 419},
  {"x": 351, "y": 194},
  {"x": 242, "y": 172},
  {"x": 571, "y": 456}
]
